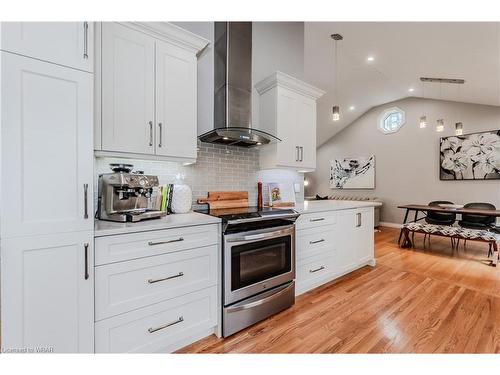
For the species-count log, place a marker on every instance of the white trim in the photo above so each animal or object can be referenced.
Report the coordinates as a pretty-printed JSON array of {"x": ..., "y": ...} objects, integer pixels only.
[
  {"x": 389, "y": 225},
  {"x": 284, "y": 80},
  {"x": 172, "y": 34},
  {"x": 130, "y": 155}
]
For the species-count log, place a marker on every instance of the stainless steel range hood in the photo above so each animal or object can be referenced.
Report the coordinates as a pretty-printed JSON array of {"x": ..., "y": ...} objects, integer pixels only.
[{"x": 233, "y": 88}]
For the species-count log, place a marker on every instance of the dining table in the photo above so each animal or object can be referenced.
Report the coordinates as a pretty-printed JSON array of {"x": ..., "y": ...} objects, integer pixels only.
[{"x": 423, "y": 208}]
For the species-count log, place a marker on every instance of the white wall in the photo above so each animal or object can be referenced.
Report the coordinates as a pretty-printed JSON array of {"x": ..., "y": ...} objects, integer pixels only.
[{"x": 407, "y": 162}]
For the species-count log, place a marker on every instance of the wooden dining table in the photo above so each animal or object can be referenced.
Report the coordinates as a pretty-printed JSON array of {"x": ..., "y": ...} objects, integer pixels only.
[{"x": 423, "y": 208}]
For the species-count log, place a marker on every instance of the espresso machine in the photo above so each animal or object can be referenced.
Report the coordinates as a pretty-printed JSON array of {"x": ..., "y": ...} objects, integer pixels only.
[{"x": 127, "y": 196}]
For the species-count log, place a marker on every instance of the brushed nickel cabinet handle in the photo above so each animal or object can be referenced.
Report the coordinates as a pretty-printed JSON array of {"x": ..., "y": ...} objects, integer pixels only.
[
  {"x": 151, "y": 243},
  {"x": 297, "y": 153},
  {"x": 317, "y": 269},
  {"x": 85, "y": 201},
  {"x": 358, "y": 219},
  {"x": 161, "y": 136},
  {"x": 86, "y": 247},
  {"x": 85, "y": 40},
  {"x": 152, "y": 281},
  {"x": 152, "y": 330},
  {"x": 319, "y": 219},
  {"x": 301, "y": 153},
  {"x": 150, "y": 133},
  {"x": 317, "y": 241}
]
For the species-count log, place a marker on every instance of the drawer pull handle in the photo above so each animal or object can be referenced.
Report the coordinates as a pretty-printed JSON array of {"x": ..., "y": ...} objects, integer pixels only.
[
  {"x": 152, "y": 281},
  {"x": 317, "y": 241},
  {"x": 152, "y": 330},
  {"x": 319, "y": 219},
  {"x": 317, "y": 269},
  {"x": 151, "y": 243}
]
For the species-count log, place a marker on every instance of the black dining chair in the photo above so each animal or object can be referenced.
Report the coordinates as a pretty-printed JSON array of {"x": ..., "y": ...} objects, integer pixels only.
[
  {"x": 440, "y": 218},
  {"x": 472, "y": 221}
]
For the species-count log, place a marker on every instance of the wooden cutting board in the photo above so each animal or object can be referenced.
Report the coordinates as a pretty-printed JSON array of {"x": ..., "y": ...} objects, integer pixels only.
[{"x": 225, "y": 199}]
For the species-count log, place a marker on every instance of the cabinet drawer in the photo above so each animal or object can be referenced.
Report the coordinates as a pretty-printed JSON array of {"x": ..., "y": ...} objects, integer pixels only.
[
  {"x": 317, "y": 269},
  {"x": 125, "y": 286},
  {"x": 164, "y": 327},
  {"x": 138, "y": 245},
  {"x": 313, "y": 241},
  {"x": 318, "y": 219}
]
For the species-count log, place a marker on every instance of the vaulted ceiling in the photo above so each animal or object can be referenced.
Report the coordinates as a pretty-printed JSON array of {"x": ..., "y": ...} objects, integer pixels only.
[{"x": 403, "y": 52}]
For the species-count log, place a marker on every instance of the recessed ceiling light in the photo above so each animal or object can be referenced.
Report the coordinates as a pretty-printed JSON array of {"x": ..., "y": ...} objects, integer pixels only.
[
  {"x": 411, "y": 89},
  {"x": 370, "y": 58},
  {"x": 352, "y": 108}
]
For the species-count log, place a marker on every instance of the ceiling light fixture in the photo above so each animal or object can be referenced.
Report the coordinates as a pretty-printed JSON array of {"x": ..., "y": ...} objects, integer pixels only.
[
  {"x": 352, "y": 108},
  {"x": 423, "y": 118},
  {"x": 440, "y": 125},
  {"x": 440, "y": 122},
  {"x": 459, "y": 127},
  {"x": 370, "y": 58},
  {"x": 335, "y": 108},
  {"x": 411, "y": 89}
]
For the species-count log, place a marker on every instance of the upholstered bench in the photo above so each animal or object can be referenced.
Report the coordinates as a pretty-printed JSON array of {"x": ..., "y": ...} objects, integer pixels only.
[{"x": 458, "y": 233}]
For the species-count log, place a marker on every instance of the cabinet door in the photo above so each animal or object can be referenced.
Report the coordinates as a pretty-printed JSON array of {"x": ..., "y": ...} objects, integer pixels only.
[
  {"x": 347, "y": 242},
  {"x": 287, "y": 122},
  {"x": 47, "y": 158},
  {"x": 364, "y": 235},
  {"x": 175, "y": 101},
  {"x": 64, "y": 43},
  {"x": 48, "y": 293},
  {"x": 127, "y": 90},
  {"x": 306, "y": 132}
]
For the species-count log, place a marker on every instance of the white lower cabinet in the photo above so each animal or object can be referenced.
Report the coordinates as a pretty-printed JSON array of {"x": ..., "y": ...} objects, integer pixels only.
[
  {"x": 162, "y": 327},
  {"x": 156, "y": 291},
  {"x": 48, "y": 293},
  {"x": 331, "y": 244}
]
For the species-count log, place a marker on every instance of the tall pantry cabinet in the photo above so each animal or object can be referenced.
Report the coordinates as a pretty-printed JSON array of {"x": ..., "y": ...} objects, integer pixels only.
[{"x": 46, "y": 220}]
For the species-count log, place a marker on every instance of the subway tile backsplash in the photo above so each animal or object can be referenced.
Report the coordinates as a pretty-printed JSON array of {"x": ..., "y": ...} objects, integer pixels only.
[{"x": 217, "y": 168}]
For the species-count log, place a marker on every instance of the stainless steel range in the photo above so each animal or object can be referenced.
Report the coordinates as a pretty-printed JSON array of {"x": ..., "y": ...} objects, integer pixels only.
[{"x": 258, "y": 264}]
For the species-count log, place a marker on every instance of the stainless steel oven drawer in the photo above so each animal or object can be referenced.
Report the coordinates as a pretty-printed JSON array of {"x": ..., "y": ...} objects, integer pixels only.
[{"x": 254, "y": 309}]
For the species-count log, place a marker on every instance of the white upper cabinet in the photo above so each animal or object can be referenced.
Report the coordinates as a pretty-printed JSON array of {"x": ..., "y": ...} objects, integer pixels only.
[
  {"x": 127, "y": 90},
  {"x": 48, "y": 293},
  {"x": 47, "y": 160},
  {"x": 66, "y": 43},
  {"x": 149, "y": 91},
  {"x": 288, "y": 110},
  {"x": 175, "y": 101}
]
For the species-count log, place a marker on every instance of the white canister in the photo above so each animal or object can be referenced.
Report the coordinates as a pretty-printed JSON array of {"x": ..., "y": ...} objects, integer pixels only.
[{"x": 182, "y": 199}]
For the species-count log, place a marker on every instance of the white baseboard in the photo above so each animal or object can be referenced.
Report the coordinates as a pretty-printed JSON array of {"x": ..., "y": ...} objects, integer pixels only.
[{"x": 390, "y": 225}]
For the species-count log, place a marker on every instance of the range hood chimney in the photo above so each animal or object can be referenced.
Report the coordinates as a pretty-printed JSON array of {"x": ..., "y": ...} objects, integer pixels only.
[{"x": 233, "y": 88}]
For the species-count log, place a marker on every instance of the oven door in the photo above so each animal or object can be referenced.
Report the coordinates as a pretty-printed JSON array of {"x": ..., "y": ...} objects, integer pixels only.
[{"x": 256, "y": 261}]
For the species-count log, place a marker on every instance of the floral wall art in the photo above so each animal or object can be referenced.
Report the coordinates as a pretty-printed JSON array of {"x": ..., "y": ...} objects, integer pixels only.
[
  {"x": 470, "y": 157},
  {"x": 354, "y": 173}
]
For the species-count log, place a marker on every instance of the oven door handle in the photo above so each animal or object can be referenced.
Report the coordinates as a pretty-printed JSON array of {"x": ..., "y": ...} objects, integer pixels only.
[
  {"x": 249, "y": 305},
  {"x": 261, "y": 236}
]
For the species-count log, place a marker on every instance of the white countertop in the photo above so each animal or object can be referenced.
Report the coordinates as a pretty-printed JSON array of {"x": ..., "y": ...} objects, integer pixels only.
[
  {"x": 332, "y": 205},
  {"x": 109, "y": 228}
]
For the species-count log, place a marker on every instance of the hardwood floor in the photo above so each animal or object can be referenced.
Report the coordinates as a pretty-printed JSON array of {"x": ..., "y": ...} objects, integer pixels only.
[{"x": 413, "y": 301}]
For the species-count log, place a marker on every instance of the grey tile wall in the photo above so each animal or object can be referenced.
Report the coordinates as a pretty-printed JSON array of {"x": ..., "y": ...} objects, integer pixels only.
[{"x": 217, "y": 168}]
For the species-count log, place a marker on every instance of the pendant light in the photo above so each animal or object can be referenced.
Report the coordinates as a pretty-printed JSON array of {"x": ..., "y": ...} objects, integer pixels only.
[
  {"x": 423, "y": 118},
  {"x": 440, "y": 122},
  {"x": 335, "y": 108},
  {"x": 459, "y": 127}
]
